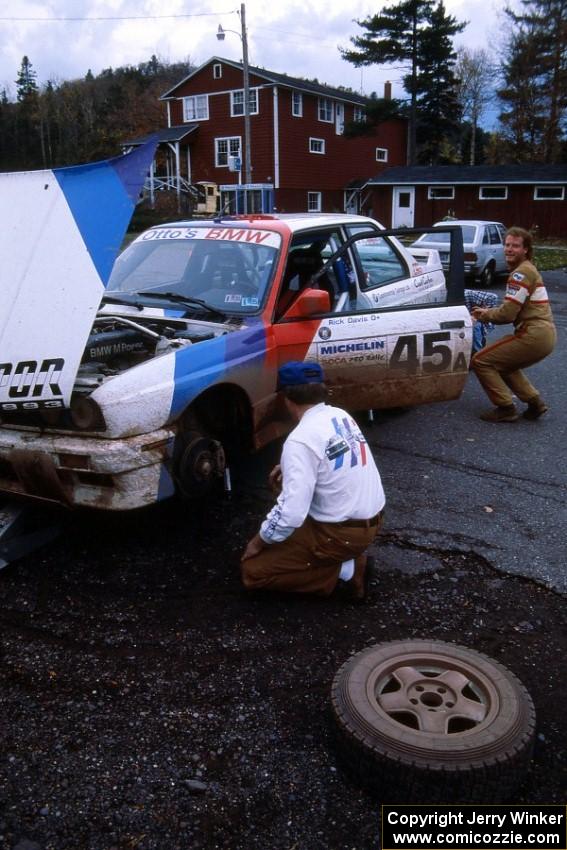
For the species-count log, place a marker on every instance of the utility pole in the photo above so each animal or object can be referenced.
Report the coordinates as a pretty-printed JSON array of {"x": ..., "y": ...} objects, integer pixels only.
[{"x": 247, "y": 158}]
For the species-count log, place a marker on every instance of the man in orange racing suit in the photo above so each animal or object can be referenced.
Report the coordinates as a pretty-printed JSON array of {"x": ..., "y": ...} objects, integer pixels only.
[{"x": 526, "y": 304}]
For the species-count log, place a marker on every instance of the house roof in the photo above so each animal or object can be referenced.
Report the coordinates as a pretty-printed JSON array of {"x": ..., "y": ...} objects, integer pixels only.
[
  {"x": 166, "y": 134},
  {"x": 278, "y": 79},
  {"x": 460, "y": 174}
]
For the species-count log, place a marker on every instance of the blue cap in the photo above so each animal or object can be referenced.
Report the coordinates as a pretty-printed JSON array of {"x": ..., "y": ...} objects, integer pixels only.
[{"x": 299, "y": 372}]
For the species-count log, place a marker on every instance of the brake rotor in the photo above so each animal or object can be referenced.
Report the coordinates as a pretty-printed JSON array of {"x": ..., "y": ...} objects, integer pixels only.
[{"x": 201, "y": 464}]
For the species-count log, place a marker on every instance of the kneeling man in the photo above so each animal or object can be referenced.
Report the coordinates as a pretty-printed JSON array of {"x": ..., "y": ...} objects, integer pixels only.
[{"x": 330, "y": 502}]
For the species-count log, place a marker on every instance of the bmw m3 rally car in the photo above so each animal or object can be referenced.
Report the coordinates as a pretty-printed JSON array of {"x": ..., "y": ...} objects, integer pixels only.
[{"x": 121, "y": 396}]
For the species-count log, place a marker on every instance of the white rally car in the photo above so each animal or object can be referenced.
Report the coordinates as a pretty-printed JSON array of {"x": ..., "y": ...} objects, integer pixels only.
[{"x": 118, "y": 396}]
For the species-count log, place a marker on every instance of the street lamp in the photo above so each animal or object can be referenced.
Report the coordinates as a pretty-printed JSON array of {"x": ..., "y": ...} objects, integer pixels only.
[{"x": 242, "y": 35}]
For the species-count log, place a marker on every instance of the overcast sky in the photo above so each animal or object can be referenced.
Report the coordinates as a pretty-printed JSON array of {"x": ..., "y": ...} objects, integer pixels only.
[{"x": 298, "y": 37}]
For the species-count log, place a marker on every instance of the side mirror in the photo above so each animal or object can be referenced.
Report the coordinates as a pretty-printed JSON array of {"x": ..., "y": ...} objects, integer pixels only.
[{"x": 309, "y": 302}]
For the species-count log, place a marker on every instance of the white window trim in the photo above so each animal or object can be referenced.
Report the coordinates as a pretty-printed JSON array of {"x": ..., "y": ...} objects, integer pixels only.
[
  {"x": 321, "y": 142},
  {"x": 229, "y": 152},
  {"x": 253, "y": 92},
  {"x": 358, "y": 114},
  {"x": 299, "y": 113},
  {"x": 195, "y": 98},
  {"x": 450, "y": 196},
  {"x": 503, "y": 197},
  {"x": 217, "y": 71},
  {"x": 560, "y": 197},
  {"x": 382, "y": 158},
  {"x": 319, "y": 197},
  {"x": 326, "y": 100}
]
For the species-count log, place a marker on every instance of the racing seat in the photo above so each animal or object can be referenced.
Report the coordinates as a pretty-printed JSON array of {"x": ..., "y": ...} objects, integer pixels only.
[
  {"x": 302, "y": 264},
  {"x": 228, "y": 266}
]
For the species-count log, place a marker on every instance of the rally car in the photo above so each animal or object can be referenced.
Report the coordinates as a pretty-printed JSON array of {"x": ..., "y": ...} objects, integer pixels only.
[{"x": 121, "y": 397}]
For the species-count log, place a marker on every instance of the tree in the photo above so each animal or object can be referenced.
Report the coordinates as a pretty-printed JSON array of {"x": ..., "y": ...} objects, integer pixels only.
[
  {"x": 537, "y": 58},
  {"x": 437, "y": 127},
  {"x": 523, "y": 117},
  {"x": 26, "y": 85},
  {"x": 404, "y": 33},
  {"x": 475, "y": 73}
]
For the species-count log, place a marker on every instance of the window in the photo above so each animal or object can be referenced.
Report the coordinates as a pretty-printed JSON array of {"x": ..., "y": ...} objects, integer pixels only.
[
  {"x": 379, "y": 261},
  {"x": 217, "y": 71},
  {"x": 237, "y": 102},
  {"x": 493, "y": 235},
  {"x": 225, "y": 147},
  {"x": 308, "y": 252},
  {"x": 326, "y": 111},
  {"x": 381, "y": 155},
  {"x": 297, "y": 104},
  {"x": 493, "y": 193},
  {"x": 196, "y": 108},
  {"x": 314, "y": 202},
  {"x": 549, "y": 193},
  {"x": 316, "y": 145},
  {"x": 358, "y": 114},
  {"x": 438, "y": 193}
]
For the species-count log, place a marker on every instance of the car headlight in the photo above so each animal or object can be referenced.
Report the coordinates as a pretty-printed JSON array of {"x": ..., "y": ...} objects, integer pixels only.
[{"x": 86, "y": 415}]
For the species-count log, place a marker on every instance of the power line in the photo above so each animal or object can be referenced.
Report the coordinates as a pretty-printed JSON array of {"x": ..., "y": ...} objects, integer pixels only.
[{"x": 116, "y": 17}]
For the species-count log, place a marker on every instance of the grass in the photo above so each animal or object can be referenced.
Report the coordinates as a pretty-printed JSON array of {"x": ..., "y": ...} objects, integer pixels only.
[{"x": 550, "y": 256}]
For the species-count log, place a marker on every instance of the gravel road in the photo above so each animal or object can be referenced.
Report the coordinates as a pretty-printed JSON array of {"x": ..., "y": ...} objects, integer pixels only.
[{"x": 147, "y": 701}]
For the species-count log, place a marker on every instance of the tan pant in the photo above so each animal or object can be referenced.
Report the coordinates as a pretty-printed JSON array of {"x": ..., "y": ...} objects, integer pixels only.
[
  {"x": 498, "y": 366},
  {"x": 309, "y": 560}
]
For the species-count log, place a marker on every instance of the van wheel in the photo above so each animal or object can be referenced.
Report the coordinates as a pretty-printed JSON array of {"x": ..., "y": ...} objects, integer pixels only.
[
  {"x": 430, "y": 722},
  {"x": 488, "y": 276}
]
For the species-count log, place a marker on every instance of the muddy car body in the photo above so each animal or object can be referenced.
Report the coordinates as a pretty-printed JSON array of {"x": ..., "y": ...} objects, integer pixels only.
[{"x": 178, "y": 368}]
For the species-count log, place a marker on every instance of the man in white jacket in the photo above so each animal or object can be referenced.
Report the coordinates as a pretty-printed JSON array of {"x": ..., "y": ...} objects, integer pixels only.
[{"x": 331, "y": 499}]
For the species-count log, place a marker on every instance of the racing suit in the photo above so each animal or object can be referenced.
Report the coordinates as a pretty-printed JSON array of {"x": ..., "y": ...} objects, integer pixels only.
[
  {"x": 498, "y": 366},
  {"x": 329, "y": 508}
]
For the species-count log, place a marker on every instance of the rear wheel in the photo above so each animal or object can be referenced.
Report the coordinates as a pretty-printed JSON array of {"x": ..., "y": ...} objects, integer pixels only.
[
  {"x": 488, "y": 276},
  {"x": 429, "y": 722}
]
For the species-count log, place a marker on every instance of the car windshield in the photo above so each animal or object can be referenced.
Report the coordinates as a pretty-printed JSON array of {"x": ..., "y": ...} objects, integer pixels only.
[
  {"x": 227, "y": 268},
  {"x": 444, "y": 238}
]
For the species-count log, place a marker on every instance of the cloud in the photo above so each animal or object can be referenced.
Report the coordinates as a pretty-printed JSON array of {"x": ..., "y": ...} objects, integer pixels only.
[{"x": 289, "y": 36}]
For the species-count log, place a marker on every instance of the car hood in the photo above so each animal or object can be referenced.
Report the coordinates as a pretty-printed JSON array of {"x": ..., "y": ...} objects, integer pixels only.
[{"x": 62, "y": 230}]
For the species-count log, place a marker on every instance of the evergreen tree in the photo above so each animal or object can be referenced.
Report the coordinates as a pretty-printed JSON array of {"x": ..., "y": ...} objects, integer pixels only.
[
  {"x": 437, "y": 127},
  {"x": 406, "y": 33},
  {"x": 537, "y": 58},
  {"x": 523, "y": 117},
  {"x": 26, "y": 85}
]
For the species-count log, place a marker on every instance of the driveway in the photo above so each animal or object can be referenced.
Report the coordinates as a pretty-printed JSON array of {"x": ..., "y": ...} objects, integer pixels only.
[{"x": 455, "y": 482}]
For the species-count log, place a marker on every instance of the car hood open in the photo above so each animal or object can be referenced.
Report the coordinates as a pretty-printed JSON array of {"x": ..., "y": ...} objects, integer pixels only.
[{"x": 61, "y": 232}]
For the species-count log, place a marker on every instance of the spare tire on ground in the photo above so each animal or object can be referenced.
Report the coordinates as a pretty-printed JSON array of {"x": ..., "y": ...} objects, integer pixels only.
[{"x": 432, "y": 722}]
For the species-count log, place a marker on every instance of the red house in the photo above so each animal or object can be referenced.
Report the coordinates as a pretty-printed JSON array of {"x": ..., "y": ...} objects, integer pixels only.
[{"x": 301, "y": 158}]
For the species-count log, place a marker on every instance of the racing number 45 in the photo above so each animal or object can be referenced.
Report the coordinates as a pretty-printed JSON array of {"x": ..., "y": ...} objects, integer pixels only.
[{"x": 439, "y": 355}]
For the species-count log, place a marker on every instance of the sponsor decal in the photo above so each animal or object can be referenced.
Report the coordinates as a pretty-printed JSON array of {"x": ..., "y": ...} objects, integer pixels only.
[
  {"x": 228, "y": 234},
  {"x": 232, "y": 299},
  {"x": 233, "y": 234},
  {"x": 250, "y": 302},
  {"x": 168, "y": 233},
  {"x": 420, "y": 282},
  {"x": 517, "y": 276},
  {"x": 352, "y": 347},
  {"x": 512, "y": 288},
  {"x": 30, "y": 378},
  {"x": 325, "y": 332}
]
